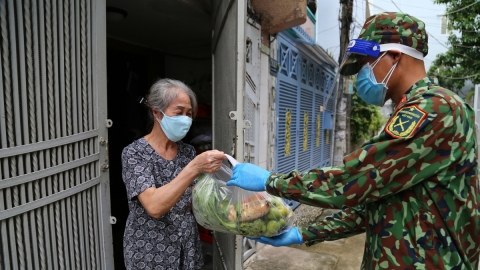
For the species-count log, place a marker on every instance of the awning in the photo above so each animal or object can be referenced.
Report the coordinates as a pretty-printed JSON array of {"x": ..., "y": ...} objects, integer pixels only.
[{"x": 318, "y": 51}]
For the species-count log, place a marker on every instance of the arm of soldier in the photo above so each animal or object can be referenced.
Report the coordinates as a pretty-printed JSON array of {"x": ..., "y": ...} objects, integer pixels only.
[
  {"x": 345, "y": 223},
  {"x": 383, "y": 166}
]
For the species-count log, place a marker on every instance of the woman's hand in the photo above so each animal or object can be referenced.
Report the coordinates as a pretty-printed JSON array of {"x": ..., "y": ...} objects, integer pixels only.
[{"x": 208, "y": 161}]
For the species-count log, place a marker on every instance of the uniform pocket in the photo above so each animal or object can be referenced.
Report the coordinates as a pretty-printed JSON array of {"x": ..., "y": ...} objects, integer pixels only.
[{"x": 424, "y": 230}]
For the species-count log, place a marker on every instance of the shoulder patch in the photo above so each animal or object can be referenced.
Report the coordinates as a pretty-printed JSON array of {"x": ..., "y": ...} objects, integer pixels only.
[{"x": 405, "y": 122}]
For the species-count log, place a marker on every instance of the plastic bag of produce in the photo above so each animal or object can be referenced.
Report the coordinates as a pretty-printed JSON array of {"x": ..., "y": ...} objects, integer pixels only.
[{"x": 234, "y": 210}]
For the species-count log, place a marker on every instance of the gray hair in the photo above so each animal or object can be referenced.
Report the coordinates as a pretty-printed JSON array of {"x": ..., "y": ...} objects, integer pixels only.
[{"x": 164, "y": 91}]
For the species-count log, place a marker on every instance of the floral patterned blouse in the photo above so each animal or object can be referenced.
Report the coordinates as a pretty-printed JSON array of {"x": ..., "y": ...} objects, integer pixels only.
[{"x": 171, "y": 241}]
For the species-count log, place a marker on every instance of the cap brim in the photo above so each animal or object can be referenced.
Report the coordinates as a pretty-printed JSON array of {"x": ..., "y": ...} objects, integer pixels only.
[{"x": 351, "y": 66}]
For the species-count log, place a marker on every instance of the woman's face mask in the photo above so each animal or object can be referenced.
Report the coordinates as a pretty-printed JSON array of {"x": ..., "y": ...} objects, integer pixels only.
[
  {"x": 368, "y": 88},
  {"x": 175, "y": 127}
]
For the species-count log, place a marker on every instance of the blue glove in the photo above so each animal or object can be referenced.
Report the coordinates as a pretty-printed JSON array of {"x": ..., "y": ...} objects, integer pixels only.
[
  {"x": 288, "y": 238},
  {"x": 249, "y": 177}
]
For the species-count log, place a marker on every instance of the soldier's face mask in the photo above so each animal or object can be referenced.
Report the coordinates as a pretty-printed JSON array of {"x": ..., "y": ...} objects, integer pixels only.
[{"x": 368, "y": 88}]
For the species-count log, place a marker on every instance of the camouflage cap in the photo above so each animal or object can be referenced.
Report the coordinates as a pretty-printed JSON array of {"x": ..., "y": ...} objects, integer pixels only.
[{"x": 389, "y": 27}]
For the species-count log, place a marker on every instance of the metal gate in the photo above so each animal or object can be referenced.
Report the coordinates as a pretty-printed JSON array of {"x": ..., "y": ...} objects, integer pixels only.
[
  {"x": 54, "y": 194},
  {"x": 304, "y": 126}
]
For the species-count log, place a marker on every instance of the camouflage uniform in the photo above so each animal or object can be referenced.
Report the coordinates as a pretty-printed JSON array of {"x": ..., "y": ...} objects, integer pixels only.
[{"x": 413, "y": 188}]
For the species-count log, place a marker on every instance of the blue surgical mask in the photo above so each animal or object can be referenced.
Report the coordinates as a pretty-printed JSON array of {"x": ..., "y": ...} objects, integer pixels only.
[
  {"x": 368, "y": 88},
  {"x": 175, "y": 127}
]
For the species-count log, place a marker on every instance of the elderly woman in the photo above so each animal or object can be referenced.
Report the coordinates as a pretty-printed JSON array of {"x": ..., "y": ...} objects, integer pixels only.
[{"x": 159, "y": 172}]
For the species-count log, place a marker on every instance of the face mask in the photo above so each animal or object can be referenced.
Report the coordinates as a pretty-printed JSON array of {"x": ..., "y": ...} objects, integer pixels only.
[
  {"x": 175, "y": 127},
  {"x": 368, "y": 88}
]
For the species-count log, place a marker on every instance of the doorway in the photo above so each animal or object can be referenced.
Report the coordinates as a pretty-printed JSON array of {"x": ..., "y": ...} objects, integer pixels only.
[{"x": 146, "y": 41}]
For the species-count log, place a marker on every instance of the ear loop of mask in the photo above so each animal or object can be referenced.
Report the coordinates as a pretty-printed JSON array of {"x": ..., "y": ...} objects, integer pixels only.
[
  {"x": 378, "y": 60},
  {"x": 390, "y": 72}
]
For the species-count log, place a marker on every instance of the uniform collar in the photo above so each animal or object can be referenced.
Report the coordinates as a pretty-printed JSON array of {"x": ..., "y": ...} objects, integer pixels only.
[{"x": 418, "y": 88}]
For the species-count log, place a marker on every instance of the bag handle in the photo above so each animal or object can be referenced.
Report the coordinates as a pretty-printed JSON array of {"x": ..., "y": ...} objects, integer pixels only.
[{"x": 233, "y": 161}]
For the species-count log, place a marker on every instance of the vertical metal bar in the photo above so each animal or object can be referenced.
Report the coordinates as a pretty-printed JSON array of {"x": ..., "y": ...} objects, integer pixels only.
[
  {"x": 16, "y": 228},
  {"x": 33, "y": 227},
  {"x": 51, "y": 253},
  {"x": 86, "y": 231},
  {"x": 89, "y": 63},
  {"x": 63, "y": 221},
  {"x": 86, "y": 168},
  {"x": 55, "y": 59},
  {"x": 3, "y": 125},
  {"x": 23, "y": 115},
  {"x": 61, "y": 50},
  {"x": 95, "y": 246},
  {"x": 38, "y": 212},
  {"x": 78, "y": 63},
  {"x": 8, "y": 89},
  {"x": 82, "y": 63},
  {"x": 74, "y": 90},
  {"x": 60, "y": 205},
  {"x": 100, "y": 233},
  {"x": 65, "y": 204},
  {"x": 26, "y": 232},
  {"x": 29, "y": 223},
  {"x": 82, "y": 219},
  {"x": 5, "y": 118},
  {"x": 36, "y": 56},
  {"x": 12, "y": 230},
  {"x": 53, "y": 181},
  {"x": 15, "y": 93},
  {"x": 68, "y": 174},
  {"x": 79, "y": 99},
  {"x": 73, "y": 72},
  {"x": 91, "y": 217},
  {"x": 95, "y": 64},
  {"x": 38, "y": 41},
  {"x": 72, "y": 217},
  {"x": 43, "y": 213},
  {"x": 96, "y": 232},
  {"x": 51, "y": 226},
  {"x": 43, "y": 71},
  {"x": 48, "y": 102},
  {"x": 4, "y": 236}
]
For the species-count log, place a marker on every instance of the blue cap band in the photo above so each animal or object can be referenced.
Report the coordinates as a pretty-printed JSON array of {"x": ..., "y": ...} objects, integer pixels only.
[{"x": 363, "y": 47}]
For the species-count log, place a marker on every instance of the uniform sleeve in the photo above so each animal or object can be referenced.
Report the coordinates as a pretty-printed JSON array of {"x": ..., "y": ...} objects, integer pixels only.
[
  {"x": 385, "y": 165},
  {"x": 345, "y": 223},
  {"x": 136, "y": 172}
]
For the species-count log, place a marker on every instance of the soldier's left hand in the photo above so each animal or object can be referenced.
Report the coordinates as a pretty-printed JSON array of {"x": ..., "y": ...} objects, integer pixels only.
[{"x": 288, "y": 238}]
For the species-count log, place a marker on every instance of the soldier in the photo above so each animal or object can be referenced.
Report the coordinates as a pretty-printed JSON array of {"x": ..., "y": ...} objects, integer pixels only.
[{"x": 413, "y": 188}]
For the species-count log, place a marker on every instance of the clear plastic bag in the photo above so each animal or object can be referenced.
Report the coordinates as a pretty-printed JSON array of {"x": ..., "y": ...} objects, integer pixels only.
[{"x": 234, "y": 210}]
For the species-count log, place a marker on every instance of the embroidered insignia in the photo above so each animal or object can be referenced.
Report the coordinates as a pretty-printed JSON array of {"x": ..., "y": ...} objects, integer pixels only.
[{"x": 406, "y": 122}]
